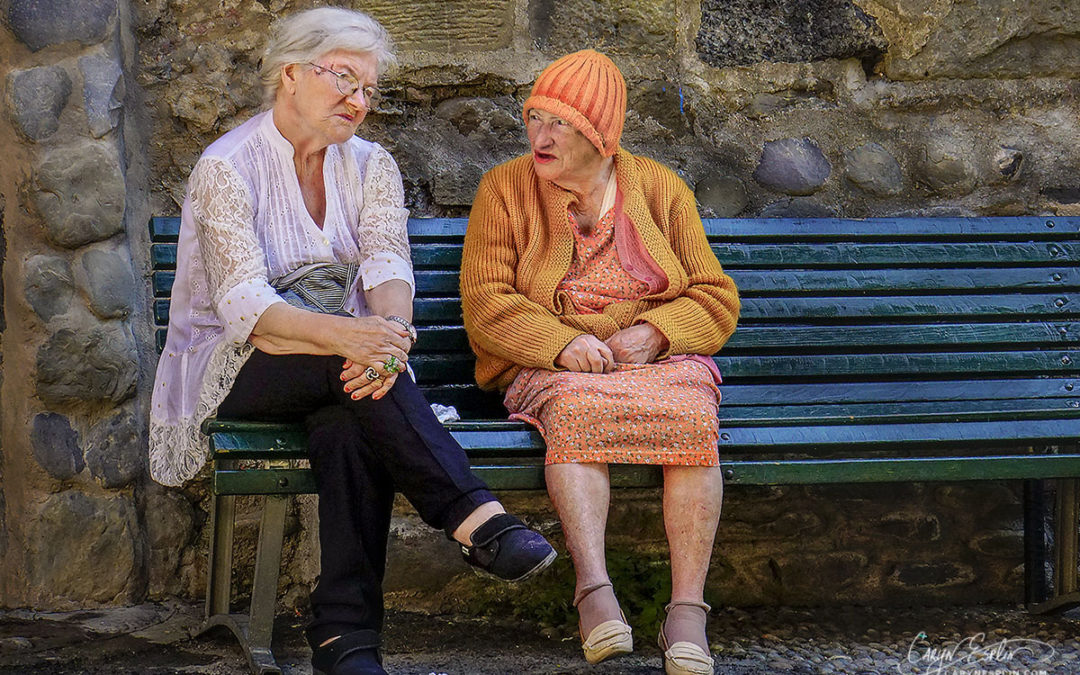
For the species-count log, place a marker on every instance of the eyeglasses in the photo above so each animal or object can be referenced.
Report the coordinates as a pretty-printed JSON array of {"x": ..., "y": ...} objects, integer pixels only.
[{"x": 347, "y": 84}]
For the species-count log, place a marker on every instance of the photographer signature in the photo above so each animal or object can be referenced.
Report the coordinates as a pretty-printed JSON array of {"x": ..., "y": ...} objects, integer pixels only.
[{"x": 972, "y": 653}]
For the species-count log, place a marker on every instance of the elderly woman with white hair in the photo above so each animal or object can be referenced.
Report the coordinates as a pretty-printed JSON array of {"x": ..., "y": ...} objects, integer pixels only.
[{"x": 293, "y": 301}]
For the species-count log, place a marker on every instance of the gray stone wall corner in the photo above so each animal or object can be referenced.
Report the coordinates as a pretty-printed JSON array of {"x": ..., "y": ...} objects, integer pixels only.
[{"x": 78, "y": 349}]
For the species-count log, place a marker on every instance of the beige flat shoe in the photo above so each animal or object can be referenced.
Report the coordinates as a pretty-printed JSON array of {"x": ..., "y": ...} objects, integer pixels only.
[
  {"x": 608, "y": 639},
  {"x": 611, "y": 638},
  {"x": 684, "y": 658}
]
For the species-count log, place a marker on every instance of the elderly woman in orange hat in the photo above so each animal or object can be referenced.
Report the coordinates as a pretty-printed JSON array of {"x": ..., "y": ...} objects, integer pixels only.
[{"x": 592, "y": 298}]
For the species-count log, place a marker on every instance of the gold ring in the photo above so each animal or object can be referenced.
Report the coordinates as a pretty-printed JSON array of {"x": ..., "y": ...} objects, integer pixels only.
[{"x": 370, "y": 374}]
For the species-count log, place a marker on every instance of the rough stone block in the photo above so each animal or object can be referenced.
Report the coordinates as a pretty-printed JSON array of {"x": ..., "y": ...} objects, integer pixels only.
[
  {"x": 56, "y": 446},
  {"x": 873, "y": 169},
  {"x": 170, "y": 523},
  {"x": 743, "y": 32},
  {"x": 40, "y": 23},
  {"x": 1063, "y": 194},
  {"x": 94, "y": 363},
  {"x": 446, "y": 25},
  {"x": 1009, "y": 162},
  {"x": 3, "y": 257},
  {"x": 114, "y": 450},
  {"x": 414, "y": 546},
  {"x": 802, "y": 575},
  {"x": 797, "y": 207},
  {"x": 947, "y": 166},
  {"x": 201, "y": 102},
  {"x": 794, "y": 166},
  {"x": 951, "y": 39},
  {"x": 103, "y": 92},
  {"x": 49, "y": 285},
  {"x": 38, "y": 96},
  {"x": 929, "y": 576},
  {"x": 1000, "y": 543},
  {"x": 663, "y": 102},
  {"x": 471, "y": 115},
  {"x": 81, "y": 193},
  {"x": 909, "y": 526},
  {"x": 110, "y": 281},
  {"x": 457, "y": 185},
  {"x": 633, "y": 27},
  {"x": 724, "y": 196},
  {"x": 82, "y": 549}
]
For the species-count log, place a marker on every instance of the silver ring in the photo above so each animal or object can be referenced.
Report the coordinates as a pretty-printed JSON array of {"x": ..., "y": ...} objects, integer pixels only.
[{"x": 370, "y": 374}]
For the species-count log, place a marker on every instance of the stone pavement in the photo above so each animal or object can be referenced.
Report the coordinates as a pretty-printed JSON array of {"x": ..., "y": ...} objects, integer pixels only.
[{"x": 156, "y": 639}]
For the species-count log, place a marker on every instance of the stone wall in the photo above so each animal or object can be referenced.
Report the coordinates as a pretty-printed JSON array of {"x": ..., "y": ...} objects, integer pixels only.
[
  {"x": 811, "y": 107},
  {"x": 74, "y": 490}
]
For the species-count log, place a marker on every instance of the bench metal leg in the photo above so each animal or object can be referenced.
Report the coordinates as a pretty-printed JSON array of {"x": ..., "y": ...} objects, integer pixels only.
[
  {"x": 264, "y": 588},
  {"x": 1066, "y": 596},
  {"x": 1034, "y": 542},
  {"x": 255, "y": 630},
  {"x": 219, "y": 568}
]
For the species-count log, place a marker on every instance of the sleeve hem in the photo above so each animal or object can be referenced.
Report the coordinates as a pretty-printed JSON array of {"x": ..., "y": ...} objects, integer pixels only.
[{"x": 241, "y": 308}]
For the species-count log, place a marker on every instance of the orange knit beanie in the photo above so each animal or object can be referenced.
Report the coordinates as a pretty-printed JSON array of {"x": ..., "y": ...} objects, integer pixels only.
[{"x": 587, "y": 90}]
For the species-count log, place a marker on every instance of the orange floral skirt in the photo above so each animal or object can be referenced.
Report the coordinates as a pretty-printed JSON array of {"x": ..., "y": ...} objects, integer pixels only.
[{"x": 654, "y": 413}]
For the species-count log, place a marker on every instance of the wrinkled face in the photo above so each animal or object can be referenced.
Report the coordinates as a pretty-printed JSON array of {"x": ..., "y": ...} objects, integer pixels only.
[
  {"x": 560, "y": 152},
  {"x": 318, "y": 101}
]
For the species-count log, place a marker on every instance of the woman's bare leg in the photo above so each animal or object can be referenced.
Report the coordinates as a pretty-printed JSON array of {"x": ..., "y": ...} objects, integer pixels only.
[
  {"x": 581, "y": 493},
  {"x": 692, "y": 500}
]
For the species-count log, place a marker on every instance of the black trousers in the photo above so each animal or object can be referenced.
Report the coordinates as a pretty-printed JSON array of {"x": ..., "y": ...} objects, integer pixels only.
[{"x": 361, "y": 453}]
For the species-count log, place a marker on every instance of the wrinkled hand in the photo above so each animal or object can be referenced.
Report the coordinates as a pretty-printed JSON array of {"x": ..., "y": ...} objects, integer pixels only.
[
  {"x": 586, "y": 354},
  {"x": 637, "y": 344},
  {"x": 357, "y": 385},
  {"x": 372, "y": 340}
]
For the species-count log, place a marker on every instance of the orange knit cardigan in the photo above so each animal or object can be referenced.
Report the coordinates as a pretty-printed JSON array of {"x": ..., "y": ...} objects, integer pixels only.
[{"x": 518, "y": 247}]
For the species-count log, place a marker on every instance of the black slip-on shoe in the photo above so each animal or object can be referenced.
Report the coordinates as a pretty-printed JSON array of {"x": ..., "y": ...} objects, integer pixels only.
[
  {"x": 506, "y": 548},
  {"x": 355, "y": 653}
]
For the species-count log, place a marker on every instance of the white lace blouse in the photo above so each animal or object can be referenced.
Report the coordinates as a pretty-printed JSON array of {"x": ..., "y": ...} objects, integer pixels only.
[{"x": 244, "y": 223}]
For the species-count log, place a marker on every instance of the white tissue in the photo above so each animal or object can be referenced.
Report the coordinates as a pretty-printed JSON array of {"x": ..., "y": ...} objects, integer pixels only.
[{"x": 445, "y": 413}]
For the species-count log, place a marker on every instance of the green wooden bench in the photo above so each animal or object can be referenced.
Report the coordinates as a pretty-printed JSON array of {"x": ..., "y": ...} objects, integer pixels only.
[{"x": 879, "y": 350}]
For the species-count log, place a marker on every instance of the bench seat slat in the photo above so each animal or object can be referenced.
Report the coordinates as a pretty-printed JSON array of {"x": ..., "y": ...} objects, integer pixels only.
[
  {"x": 472, "y": 403},
  {"x": 820, "y": 437},
  {"x": 508, "y": 475}
]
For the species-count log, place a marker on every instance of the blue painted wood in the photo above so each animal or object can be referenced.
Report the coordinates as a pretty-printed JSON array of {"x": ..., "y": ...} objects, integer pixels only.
[
  {"x": 780, "y": 228},
  {"x": 165, "y": 227},
  {"x": 456, "y": 367},
  {"x": 918, "y": 228},
  {"x": 753, "y": 339},
  {"x": 840, "y": 255},
  {"x": 1054, "y": 306},
  {"x": 880, "y": 340}
]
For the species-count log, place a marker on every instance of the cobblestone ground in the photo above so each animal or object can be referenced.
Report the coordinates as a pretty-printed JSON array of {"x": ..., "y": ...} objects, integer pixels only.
[{"x": 157, "y": 639}]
